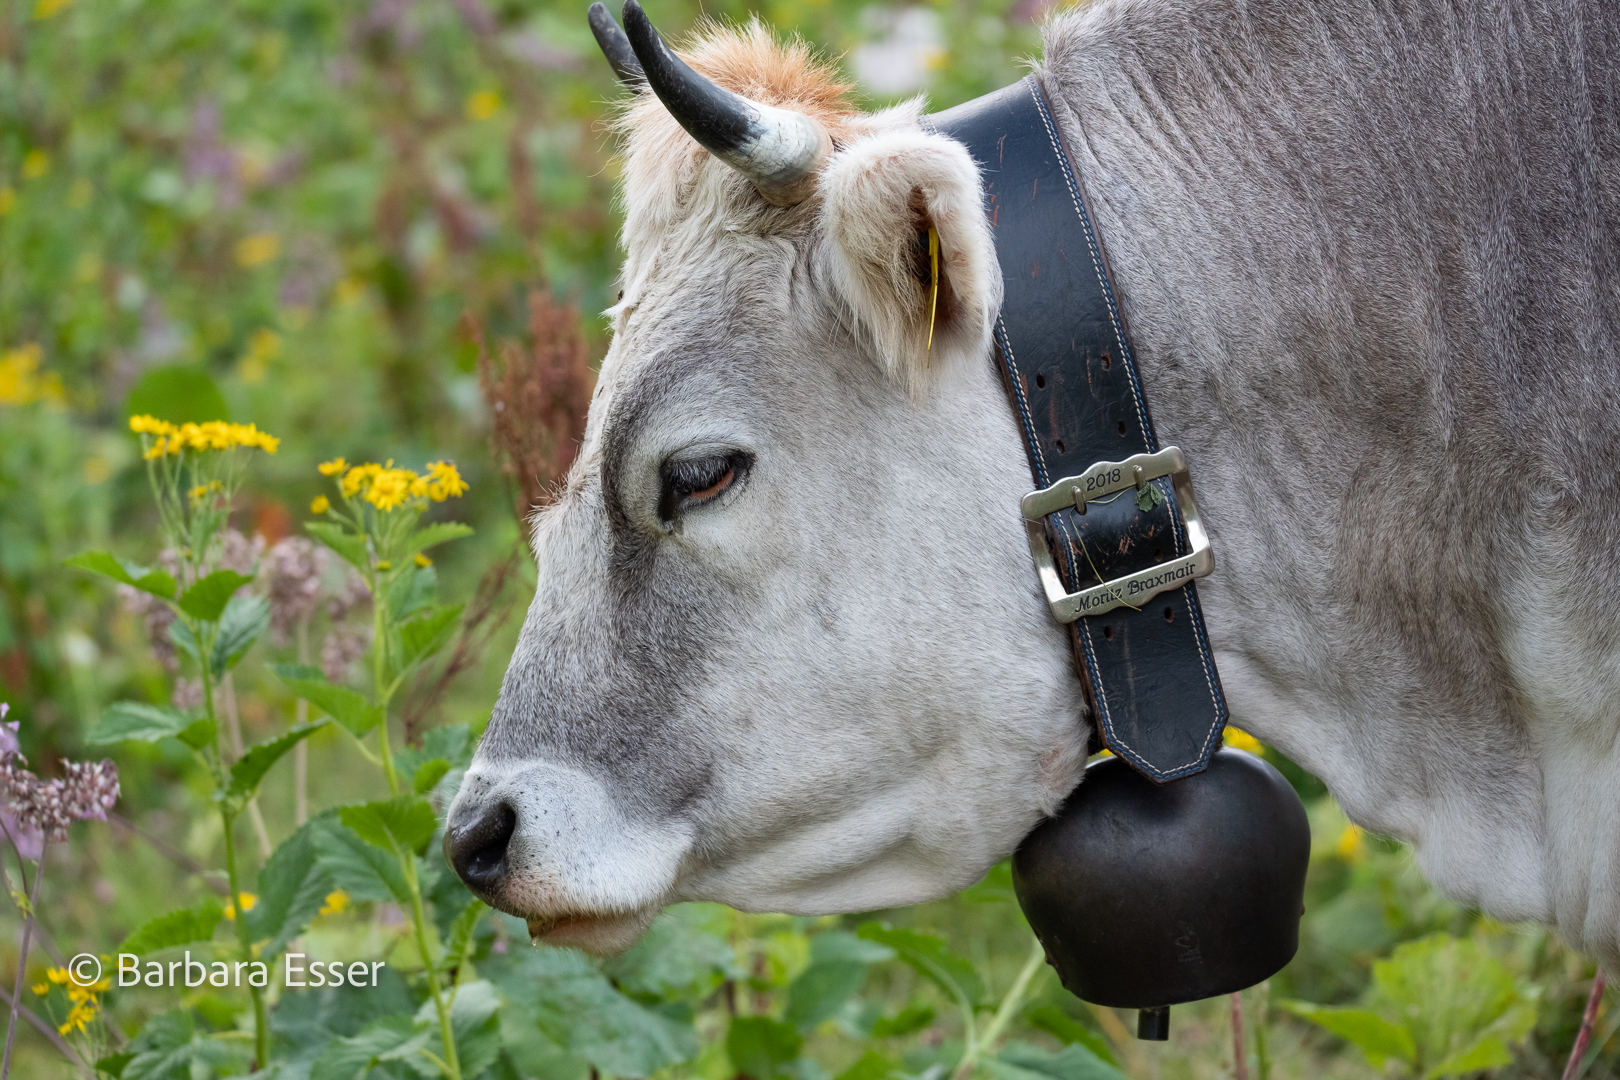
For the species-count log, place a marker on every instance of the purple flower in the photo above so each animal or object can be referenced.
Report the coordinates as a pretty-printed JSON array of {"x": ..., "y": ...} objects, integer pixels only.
[{"x": 30, "y": 807}]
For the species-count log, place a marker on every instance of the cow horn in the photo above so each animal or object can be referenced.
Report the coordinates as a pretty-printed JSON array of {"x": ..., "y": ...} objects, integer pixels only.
[
  {"x": 778, "y": 149},
  {"x": 615, "y": 46}
]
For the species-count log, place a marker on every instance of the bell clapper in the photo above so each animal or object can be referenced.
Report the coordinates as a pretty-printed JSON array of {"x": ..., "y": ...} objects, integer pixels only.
[{"x": 1153, "y": 1024}]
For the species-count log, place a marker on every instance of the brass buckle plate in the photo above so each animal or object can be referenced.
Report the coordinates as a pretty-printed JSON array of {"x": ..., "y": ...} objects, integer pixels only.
[{"x": 1101, "y": 480}]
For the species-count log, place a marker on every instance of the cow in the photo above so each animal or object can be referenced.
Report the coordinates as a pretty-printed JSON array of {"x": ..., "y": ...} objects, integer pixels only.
[{"x": 787, "y": 650}]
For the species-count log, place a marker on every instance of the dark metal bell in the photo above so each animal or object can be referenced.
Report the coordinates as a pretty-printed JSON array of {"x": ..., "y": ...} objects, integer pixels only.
[{"x": 1147, "y": 896}]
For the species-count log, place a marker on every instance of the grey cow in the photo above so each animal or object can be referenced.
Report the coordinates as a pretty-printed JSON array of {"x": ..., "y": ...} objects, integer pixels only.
[{"x": 788, "y": 651}]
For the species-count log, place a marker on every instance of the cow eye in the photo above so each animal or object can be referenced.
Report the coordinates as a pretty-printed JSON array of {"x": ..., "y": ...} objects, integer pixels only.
[{"x": 692, "y": 482}]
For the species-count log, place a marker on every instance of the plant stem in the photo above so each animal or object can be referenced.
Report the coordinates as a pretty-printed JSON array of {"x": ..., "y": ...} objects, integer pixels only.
[
  {"x": 1262, "y": 1004},
  {"x": 450, "y": 1064},
  {"x": 51, "y": 1033},
  {"x": 1240, "y": 1059},
  {"x": 22, "y": 959},
  {"x": 301, "y": 751},
  {"x": 261, "y": 1027},
  {"x": 1576, "y": 1053},
  {"x": 233, "y": 720},
  {"x": 1010, "y": 1004}
]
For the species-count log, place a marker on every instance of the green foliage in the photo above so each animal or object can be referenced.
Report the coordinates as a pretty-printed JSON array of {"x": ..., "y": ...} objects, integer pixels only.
[
  {"x": 1442, "y": 1006},
  {"x": 403, "y": 822},
  {"x": 140, "y": 722},
  {"x": 206, "y": 598},
  {"x": 248, "y": 771},
  {"x": 180, "y": 927},
  {"x": 347, "y": 707},
  {"x": 157, "y": 582}
]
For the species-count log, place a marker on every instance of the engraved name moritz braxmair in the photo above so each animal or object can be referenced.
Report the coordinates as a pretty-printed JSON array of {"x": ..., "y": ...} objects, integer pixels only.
[{"x": 1136, "y": 585}]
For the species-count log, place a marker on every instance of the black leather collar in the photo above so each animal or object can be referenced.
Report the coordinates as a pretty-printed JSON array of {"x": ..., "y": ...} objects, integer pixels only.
[{"x": 1065, "y": 357}]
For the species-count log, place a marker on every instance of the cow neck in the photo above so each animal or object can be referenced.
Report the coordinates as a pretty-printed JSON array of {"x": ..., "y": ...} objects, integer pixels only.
[{"x": 1113, "y": 527}]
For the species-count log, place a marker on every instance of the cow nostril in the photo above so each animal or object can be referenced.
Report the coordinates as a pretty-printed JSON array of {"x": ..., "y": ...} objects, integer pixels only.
[{"x": 478, "y": 851}]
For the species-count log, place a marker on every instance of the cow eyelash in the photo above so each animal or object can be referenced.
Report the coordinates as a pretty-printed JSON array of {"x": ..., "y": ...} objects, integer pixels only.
[{"x": 691, "y": 483}]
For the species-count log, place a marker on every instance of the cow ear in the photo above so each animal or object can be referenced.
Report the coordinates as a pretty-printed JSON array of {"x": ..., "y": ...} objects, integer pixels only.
[{"x": 882, "y": 194}]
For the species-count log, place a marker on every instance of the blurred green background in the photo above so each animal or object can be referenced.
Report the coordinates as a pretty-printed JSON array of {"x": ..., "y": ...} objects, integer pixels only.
[{"x": 316, "y": 211}]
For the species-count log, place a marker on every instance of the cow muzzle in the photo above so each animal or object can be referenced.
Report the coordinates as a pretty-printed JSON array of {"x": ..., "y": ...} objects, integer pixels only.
[{"x": 551, "y": 845}]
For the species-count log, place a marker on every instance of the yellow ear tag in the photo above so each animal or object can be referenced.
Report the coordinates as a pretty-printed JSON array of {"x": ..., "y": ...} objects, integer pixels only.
[{"x": 933, "y": 295}]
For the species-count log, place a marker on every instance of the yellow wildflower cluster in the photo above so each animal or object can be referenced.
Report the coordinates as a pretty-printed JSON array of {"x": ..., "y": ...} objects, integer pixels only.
[
  {"x": 20, "y": 380},
  {"x": 1242, "y": 740},
  {"x": 337, "y": 902},
  {"x": 388, "y": 488},
  {"x": 248, "y": 901},
  {"x": 83, "y": 999},
  {"x": 211, "y": 435}
]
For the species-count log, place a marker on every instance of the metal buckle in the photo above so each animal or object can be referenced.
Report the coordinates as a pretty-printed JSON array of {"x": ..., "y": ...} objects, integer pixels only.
[{"x": 1101, "y": 480}]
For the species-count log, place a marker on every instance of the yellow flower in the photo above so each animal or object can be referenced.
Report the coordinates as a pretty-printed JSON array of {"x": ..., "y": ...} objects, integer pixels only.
[
  {"x": 150, "y": 425},
  {"x": 42, "y": 989},
  {"x": 20, "y": 380},
  {"x": 248, "y": 900},
  {"x": 263, "y": 347},
  {"x": 358, "y": 477},
  {"x": 36, "y": 163},
  {"x": 337, "y": 902},
  {"x": 446, "y": 482},
  {"x": 209, "y": 435},
  {"x": 385, "y": 565},
  {"x": 483, "y": 105},
  {"x": 57, "y": 975},
  {"x": 44, "y": 9},
  {"x": 1352, "y": 844},
  {"x": 200, "y": 492},
  {"x": 333, "y": 467},
  {"x": 320, "y": 505},
  {"x": 390, "y": 488},
  {"x": 77, "y": 1017},
  {"x": 423, "y": 561},
  {"x": 1242, "y": 740},
  {"x": 256, "y": 249}
]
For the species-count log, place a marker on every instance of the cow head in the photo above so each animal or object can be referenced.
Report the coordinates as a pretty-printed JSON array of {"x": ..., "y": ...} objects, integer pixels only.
[{"x": 787, "y": 651}]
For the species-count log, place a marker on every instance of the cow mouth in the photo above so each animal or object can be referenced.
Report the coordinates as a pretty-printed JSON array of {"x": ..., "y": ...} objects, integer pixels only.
[{"x": 598, "y": 934}]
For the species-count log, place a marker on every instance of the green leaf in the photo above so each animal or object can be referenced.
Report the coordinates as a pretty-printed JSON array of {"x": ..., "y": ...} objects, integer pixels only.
[
  {"x": 461, "y": 933},
  {"x": 405, "y": 821},
  {"x": 759, "y": 1046},
  {"x": 872, "y": 1065},
  {"x": 473, "y": 1024},
  {"x": 428, "y": 775},
  {"x": 293, "y": 888},
  {"x": 1066, "y": 1029},
  {"x": 185, "y": 640},
  {"x": 206, "y": 599},
  {"x": 1148, "y": 497},
  {"x": 388, "y": 1038},
  {"x": 413, "y": 588},
  {"x": 199, "y": 733},
  {"x": 156, "y": 582},
  {"x": 350, "y": 547},
  {"x": 931, "y": 958},
  {"x": 1376, "y": 1037},
  {"x": 836, "y": 971},
  {"x": 426, "y": 634},
  {"x": 139, "y": 721},
  {"x": 1021, "y": 1061},
  {"x": 113, "y": 1064},
  {"x": 452, "y": 742},
  {"x": 244, "y": 619},
  {"x": 439, "y": 532},
  {"x": 573, "y": 1005},
  {"x": 170, "y": 1046},
  {"x": 178, "y": 393},
  {"x": 363, "y": 871},
  {"x": 904, "y": 1022},
  {"x": 176, "y": 928},
  {"x": 683, "y": 956},
  {"x": 820, "y": 991},
  {"x": 1489, "y": 1053},
  {"x": 249, "y": 770},
  {"x": 345, "y": 706}
]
